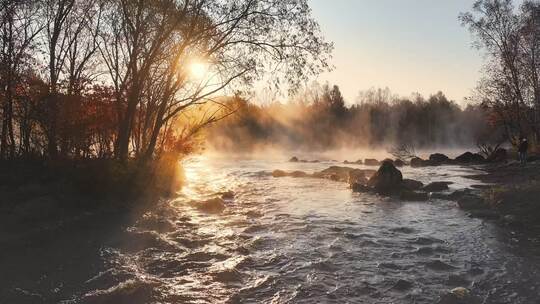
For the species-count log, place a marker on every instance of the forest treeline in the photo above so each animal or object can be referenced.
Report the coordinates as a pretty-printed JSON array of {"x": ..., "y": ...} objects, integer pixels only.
[
  {"x": 319, "y": 119},
  {"x": 112, "y": 79}
]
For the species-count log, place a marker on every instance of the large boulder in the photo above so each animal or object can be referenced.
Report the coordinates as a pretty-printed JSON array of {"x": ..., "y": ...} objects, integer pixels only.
[
  {"x": 371, "y": 162},
  {"x": 411, "y": 184},
  {"x": 439, "y": 158},
  {"x": 500, "y": 155},
  {"x": 387, "y": 180},
  {"x": 437, "y": 187},
  {"x": 469, "y": 157}
]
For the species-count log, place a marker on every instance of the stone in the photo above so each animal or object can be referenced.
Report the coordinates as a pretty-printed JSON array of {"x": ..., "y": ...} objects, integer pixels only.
[
  {"x": 411, "y": 184},
  {"x": 458, "y": 295},
  {"x": 439, "y": 158},
  {"x": 215, "y": 205},
  {"x": 399, "y": 163},
  {"x": 417, "y": 162},
  {"x": 279, "y": 173},
  {"x": 294, "y": 159},
  {"x": 469, "y": 157},
  {"x": 387, "y": 179},
  {"x": 298, "y": 174},
  {"x": 371, "y": 162}
]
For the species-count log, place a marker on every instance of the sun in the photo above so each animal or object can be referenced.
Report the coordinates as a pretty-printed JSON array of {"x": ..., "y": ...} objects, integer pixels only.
[{"x": 198, "y": 69}]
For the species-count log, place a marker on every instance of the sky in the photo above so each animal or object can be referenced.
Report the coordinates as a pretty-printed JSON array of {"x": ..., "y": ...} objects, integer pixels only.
[{"x": 406, "y": 45}]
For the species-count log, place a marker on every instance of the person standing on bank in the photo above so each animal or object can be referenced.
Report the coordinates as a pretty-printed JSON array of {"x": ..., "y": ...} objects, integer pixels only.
[{"x": 522, "y": 149}]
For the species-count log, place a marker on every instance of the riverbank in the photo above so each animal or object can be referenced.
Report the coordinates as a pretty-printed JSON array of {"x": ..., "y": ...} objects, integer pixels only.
[
  {"x": 38, "y": 197},
  {"x": 512, "y": 192}
]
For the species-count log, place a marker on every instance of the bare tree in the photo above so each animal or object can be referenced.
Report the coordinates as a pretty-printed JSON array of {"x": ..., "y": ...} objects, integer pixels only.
[
  {"x": 18, "y": 30},
  {"x": 148, "y": 47}
]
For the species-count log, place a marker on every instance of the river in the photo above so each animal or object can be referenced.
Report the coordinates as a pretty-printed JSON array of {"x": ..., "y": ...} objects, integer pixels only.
[{"x": 282, "y": 240}]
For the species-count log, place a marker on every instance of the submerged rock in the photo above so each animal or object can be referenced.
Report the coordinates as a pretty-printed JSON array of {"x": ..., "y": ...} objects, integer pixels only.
[
  {"x": 402, "y": 285},
  {"x": 298, "y": 174},
  {"x": 414, "y": 196},
  {"x": 228, "y": 195},
  {"x": 279, "y": 173},
  {"x": 215, "y": 205},
  {"x": 411, "y": 184},
  {"x": 417, "y": 162},
  {"x": 387, "y": 179},
  {"x": 458, "y": 295},
  {"x": 437, "y": 186},
  {"x": 469, "y": 157},
  {"x": 371, "y": 162}
]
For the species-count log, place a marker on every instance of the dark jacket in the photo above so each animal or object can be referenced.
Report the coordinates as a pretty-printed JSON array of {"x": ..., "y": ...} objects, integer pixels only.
[{"x": 523, "y": 146}]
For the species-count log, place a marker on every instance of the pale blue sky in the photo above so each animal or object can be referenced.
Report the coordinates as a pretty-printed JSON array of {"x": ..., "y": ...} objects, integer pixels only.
[{"x": 407, "y": 45}]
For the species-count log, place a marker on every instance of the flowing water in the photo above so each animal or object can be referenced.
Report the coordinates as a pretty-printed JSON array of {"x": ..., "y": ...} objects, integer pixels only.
[{"x": 281, "y": 240}]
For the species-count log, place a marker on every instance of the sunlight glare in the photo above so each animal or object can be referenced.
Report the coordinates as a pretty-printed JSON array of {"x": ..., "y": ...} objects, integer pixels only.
[{"x": 198, "y": 70}]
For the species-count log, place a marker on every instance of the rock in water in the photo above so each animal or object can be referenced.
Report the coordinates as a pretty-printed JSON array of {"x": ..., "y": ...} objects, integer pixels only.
[
  {"x": 413, "y": 196},
  {"x": 411, "y": 184},
  {"x": 294, "y": 159},
  {"x": 417, "y": 162},
  {"x": 437, "y": 187},
  {"x": 357, "y": 176},
  {"x": 469, "y": 157},
  {"x": 439, "y": 158},
  {"x": 279, "y": 173},
  {"x": 215, "y": 205},
  {"x": 399, "y": 163},
  {"x": 459, "y": 295},
  {"x": 371, "y": 162},
  {"x": 387, "y": 180},
  {"x": 298, "y": 174}
]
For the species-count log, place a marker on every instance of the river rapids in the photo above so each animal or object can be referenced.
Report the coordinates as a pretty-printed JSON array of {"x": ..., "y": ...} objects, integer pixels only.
[{"x": 280, "y": 240}]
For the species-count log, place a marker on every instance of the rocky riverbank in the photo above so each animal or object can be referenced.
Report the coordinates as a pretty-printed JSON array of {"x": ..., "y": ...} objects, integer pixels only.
[{"x": 508, "y": 191}]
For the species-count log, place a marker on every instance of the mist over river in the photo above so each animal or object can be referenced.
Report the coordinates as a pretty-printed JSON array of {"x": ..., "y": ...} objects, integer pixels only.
[{"x": 280, "y": 240}]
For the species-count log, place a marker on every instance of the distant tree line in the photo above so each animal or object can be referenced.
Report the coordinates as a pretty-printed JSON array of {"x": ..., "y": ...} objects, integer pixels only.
[
  {"x": 111, "y": 78},
  {"x": 320, "y": 119},
  {"x": 509, "y": 38}
]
